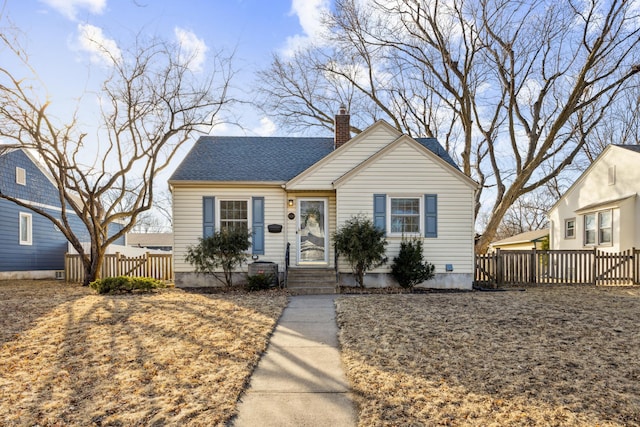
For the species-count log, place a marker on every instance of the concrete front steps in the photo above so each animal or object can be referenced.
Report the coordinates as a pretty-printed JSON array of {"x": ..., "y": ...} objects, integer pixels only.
[{"x": 311, "y": 281}]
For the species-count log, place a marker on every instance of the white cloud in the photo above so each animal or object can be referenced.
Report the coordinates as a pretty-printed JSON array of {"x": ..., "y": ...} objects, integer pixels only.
[
  {"x": 220, "y": 129},
  {"x": 267, "y": 127},
  {"x": 192, "y": 49},
  {"x": 70, "y": 8},
  {"x": 309, "y": 13},
  {"x": 101, "y": 49},
  {"x": 529, "y": 93}
]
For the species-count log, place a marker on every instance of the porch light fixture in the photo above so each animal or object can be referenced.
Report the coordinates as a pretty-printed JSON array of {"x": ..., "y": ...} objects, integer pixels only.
[{"x": 290, "y": 203}]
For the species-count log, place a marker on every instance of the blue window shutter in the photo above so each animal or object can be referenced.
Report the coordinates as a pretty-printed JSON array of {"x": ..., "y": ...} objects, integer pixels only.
[
  {"x": 208, "y": 216},
  {"x": 380, "y": 211},
  {"x": 430, "y": 215},
  {"x": 257, "y": 226}
]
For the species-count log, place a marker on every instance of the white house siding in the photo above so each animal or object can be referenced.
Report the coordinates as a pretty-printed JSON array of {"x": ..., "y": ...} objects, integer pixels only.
[
  {"x": 187, "y": 220},
  {"x": 593, "y": 188},
  {"x": 291, "y": 234},
  {"x": 408, "y": 170},
  {"x": 627, "y": 225},
  {"x": 341, "y": 161}
]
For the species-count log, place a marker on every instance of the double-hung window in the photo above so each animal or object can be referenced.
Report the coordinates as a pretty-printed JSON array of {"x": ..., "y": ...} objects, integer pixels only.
[
  {"x": 598, "y": 228},
  {"x": 400, "y": 215},
  {"x": 405, "y": 215},
  {"x": 570, "y": 228},
  {"x": 604, "y": 227},
  {"x": 590, "y": 229},
  {"x": 234, "y": 215}
]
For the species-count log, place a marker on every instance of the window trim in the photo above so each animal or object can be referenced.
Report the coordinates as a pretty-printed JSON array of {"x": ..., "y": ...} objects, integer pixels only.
[
  {"x": 421, "y": 215},
  {"x": 566, "y": 228},
  {"x": 218, "y": 210},
  {"x": 598, "y": 228},
  {"x": 29, "y": 218}
]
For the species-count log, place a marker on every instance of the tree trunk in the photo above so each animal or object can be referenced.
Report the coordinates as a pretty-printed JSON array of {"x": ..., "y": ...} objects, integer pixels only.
[
  {"x": 499, "y": 210},
  {"x": 93, "y": 267},
  {"x": 360, "y": 277}
]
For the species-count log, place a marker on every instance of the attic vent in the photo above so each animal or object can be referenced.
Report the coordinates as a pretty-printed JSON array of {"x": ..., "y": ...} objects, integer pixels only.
[
  {"x": 21, "y": 176},
  {"x": 612, "y": 175}
]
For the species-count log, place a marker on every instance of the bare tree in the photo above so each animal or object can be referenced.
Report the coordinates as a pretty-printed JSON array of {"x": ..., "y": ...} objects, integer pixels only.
[
  {"x": 158, "y": 219},
  {"x": 514, "y": 90},
  {"x": 528, "y": 213},
  {"x": 151, "y": 104},
  {"x": 621, "y": 124}
]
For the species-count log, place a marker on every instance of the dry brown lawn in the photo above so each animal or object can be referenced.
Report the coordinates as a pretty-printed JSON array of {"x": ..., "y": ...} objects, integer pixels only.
[
  {"x": 70, "y": 357},
  {"x": 558, "y": 356}
]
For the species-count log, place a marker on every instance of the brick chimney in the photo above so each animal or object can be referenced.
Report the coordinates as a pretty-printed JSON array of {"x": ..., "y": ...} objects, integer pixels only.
[{"x": 342, "y": 127}]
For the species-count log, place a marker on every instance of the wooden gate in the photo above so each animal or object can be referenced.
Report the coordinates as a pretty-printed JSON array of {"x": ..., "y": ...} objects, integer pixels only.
[
  {"x": 575, "y": 267},
  {"x": 616, "y": 268}
]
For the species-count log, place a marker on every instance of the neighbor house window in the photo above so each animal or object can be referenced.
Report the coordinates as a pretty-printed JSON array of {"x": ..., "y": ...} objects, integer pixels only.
[
  {"x": 570, "y": 228},
  {"x": 234, "y": 215},
  {"x": 590, "y": 229},
  {"x": 21, "y": 176},
  {"x": 604, "y": 227},
  {"x": 25, "y": 229},
  {"x": 404, "y": 215},
  {"x": 597, "y": 228}
]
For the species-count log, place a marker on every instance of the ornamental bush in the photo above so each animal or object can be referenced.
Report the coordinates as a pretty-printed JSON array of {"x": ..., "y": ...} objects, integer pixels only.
[
  {"x": 409, "y": 268},
  {"x": 260, "y": 282},
  {"x": 112, "y": 285},
  {"x": 362, "y": 244},
  {"x": 225, "y": 249}
]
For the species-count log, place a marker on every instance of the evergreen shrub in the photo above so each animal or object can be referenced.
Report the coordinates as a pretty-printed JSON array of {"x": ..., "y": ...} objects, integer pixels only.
[{"x": 409, "y": 268}]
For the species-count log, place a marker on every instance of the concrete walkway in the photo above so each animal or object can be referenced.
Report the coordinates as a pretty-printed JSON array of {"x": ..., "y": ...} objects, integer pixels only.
[{"x": 300, "y": 380}]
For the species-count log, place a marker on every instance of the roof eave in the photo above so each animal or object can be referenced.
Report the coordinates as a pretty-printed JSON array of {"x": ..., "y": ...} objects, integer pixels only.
[
  {"x": 198, "y": 183},
  {"x": 607, "y": 204}
]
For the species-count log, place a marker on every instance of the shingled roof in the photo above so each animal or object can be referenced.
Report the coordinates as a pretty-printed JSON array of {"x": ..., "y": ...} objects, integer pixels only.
[
  {"x": 632, "y": 147},
  {"x": 279, "y": 159}
]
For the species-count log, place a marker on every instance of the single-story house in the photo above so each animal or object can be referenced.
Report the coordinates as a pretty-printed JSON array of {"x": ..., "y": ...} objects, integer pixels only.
[
  {"x": 153, "y": 241},
  {"x": 534, "y": 239},
  {"x": 601, "y": 209},
  {"x": 297, "y": 191}
]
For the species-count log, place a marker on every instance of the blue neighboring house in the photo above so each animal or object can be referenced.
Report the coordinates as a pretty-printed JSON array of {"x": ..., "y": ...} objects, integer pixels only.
[{"x": 30, "y": 245}]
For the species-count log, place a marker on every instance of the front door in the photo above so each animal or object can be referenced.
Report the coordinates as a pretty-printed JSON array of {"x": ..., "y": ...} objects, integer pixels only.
[{"x": 313, "y": 231}]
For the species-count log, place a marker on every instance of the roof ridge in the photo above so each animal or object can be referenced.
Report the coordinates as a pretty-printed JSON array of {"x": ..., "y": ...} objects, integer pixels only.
[{"x": 264, "y": 158}]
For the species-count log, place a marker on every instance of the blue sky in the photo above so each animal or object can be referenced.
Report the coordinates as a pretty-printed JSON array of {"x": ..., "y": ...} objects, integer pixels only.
[{"x": 55, "y": 33}]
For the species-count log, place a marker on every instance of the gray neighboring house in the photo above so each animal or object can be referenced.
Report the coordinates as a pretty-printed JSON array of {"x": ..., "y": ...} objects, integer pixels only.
[
  {"x": 154, "y": 241},
  {"x": 299, "y": 191},
  {"x": 526, "y": 241}
]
